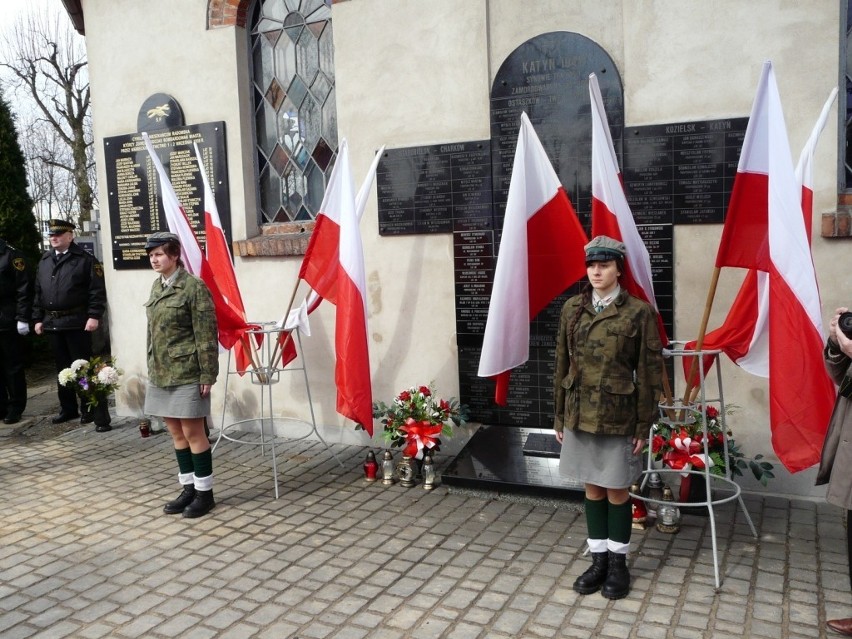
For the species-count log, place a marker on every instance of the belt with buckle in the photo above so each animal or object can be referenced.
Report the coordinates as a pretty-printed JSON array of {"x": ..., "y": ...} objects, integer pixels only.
[{"x": 70, "y": 311}]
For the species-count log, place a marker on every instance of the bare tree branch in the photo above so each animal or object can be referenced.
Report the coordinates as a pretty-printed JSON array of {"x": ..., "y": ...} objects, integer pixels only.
[{"x": 48, "y": 64}]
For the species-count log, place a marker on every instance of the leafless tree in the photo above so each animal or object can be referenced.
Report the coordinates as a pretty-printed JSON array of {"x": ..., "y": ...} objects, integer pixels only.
[
  {"x": 51, "y": 187},
  {"x": 47, "y": 62}
]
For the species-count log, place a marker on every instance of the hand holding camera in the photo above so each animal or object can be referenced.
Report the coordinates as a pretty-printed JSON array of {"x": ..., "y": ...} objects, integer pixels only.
[
  {"x": 841, "y": 330},
  {"x": 844, "y": 323}
]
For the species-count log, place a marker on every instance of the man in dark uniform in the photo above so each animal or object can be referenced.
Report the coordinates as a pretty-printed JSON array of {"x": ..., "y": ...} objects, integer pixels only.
[
  {"x": 70, "y": 299},
  {"x": 15, "y": 307}
]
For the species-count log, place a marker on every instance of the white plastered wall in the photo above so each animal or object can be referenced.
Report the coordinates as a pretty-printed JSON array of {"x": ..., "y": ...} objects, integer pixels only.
[{"x": 416, "y": 73}]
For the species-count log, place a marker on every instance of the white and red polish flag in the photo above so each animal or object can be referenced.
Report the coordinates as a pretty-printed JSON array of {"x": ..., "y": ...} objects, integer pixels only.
[
  {"x": 231, "y": 326},
  {"x": 765, "y": 230},
  {"x": 298, "y": 317},
  {"x": 334, "y": 267},
  {"x": 222, "y": 265},
  {"x": 744, "y": 335},
  {"x": 541, "y": 254},
  {"x": 611, "y": 214}
]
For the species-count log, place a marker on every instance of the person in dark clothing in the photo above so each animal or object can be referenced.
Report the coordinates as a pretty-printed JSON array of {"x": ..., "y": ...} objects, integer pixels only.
[
  {"x": 15, "y": 309},
  {"x": 837, "y": 449},
  {"x": 70, "y": 299}
]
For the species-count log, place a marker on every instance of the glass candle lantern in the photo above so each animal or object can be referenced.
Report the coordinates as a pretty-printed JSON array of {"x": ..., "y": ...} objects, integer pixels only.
[
  {"x": 668, "y": 515},
  {"x": 655, "y": 493},
  {"x": 639, "y": 511},
  {"x": 387, "y": 468},
  {"x": 405, "y": 471},
  {"x": 428, "y": 473},
  {"x": 371, "y": 467}
]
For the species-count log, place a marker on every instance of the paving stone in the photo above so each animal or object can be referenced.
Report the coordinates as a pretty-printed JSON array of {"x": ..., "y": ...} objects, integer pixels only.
[{"x": 316, "y": 562}]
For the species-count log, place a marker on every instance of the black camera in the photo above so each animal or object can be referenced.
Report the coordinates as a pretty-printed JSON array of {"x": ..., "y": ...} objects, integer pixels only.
[{"x": 844, "y": 323}]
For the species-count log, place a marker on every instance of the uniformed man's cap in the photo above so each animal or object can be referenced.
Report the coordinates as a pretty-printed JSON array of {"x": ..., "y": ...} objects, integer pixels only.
[
  {"x": 603, "y": 249},
  {"x": 159, "y": 238},
  {"x": 58, "y": 227}
]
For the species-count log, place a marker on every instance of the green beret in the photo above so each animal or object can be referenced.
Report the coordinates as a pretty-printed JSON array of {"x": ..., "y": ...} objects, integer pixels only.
[
  {"x": 159, "y": 238},
  {"x": 603, "y": 249}
]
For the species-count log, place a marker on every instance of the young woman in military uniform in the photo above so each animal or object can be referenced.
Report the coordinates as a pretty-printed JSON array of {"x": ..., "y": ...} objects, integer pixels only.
[
  {"x": 607, "y": 385},
  {"x": 183, "y": 363}
]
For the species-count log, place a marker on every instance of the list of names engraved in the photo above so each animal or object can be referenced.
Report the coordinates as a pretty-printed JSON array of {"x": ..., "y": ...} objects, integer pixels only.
[{"x": 135, "y": 193}]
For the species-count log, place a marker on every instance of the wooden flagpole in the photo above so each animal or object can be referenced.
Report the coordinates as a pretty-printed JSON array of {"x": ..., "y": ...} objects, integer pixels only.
[{"x": 699, "y": 342}]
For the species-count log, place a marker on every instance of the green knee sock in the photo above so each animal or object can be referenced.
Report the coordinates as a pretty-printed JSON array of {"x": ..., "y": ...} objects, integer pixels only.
[
  {"x": 620, "y": 519},
  {"x": 596, "y": 518},
  {"x": 202, "y": 463},
  {"x": 184, "y": 460}
]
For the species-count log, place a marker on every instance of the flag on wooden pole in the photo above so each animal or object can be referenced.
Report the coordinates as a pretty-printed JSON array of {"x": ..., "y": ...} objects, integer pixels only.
[
  {"x": 744, "y": 335},
  {"x": 334, "y": 267},
  {"x": 541, "y": 254},
  {"x": 222, "y": 266},
  {"x": 765, "y": 230},
  {"x": 611, "y": 214},
  {"x": 231, "y": 326}
]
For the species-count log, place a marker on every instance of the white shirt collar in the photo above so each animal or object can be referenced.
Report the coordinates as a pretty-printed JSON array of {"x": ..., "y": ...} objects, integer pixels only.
[
  {"x": 168, "y": 281},
  {"x": 597, "y": 300}
]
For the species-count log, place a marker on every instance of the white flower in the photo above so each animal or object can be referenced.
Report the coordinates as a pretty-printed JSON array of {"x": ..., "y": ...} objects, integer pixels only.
[
  {"x": 77, "y": 364},
  {"x": 66, "y": 376},
  {"x": 108, "y": 376}
]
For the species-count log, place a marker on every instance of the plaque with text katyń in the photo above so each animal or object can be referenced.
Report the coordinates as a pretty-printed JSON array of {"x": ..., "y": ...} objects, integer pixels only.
[
  {"x": 548, "y": 78},
  {"x": 682, "y": 173},
  {"x": 134, "y": 192},
  {"x": 434, "y": 189}
]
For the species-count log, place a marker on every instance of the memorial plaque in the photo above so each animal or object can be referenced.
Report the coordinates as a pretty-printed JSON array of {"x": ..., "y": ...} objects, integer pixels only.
[
  {"x": 435, "y": 189},
  {"x": 134, "y": 191},
  {"x": 683, "y": 172},
  {"x": 494, "y": 458},
  {"x": 548, "y": 78}
]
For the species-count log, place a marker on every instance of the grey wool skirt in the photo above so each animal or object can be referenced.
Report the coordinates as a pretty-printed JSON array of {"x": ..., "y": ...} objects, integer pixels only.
[
  {"x": 602, "y": 460},
  {"x": 183, "y": 401}
]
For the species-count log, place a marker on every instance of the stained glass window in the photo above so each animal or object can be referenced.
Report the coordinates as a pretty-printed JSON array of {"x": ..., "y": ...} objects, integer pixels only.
[{"x": 295, "y": 115}]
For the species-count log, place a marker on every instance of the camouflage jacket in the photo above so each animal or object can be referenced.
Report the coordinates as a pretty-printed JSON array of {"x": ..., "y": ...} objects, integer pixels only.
[
  {"x": 611, "y": 384},
  {"x": 182, "y": 333}
]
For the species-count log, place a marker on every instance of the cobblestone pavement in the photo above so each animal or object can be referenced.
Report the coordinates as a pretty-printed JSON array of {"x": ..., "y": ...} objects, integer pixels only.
[{"x": 86, "y": 552}]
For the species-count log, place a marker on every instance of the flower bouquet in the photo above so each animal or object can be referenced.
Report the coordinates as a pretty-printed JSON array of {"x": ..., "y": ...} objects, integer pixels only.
[
  {"x": 92, "y": 379},
  {"x": 417, "y": 419},
  {"x": 681, "y": 446}
]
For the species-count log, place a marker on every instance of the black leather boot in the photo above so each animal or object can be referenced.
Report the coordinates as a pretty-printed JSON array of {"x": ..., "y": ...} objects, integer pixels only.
[
  {"x": 594, "y": 577},
  {"x": 617, "y": 584},
  {"x": 201, "y": 505},
  {"x": 179, "y": 504}
]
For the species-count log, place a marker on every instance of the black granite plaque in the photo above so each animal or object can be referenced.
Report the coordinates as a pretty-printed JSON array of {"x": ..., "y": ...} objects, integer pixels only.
[
  {"x": 548, "y": 77},
  {"x": 682, "y": 172},
  {"x": 135, "y": 203},
  {"x": 494, "y": 458},
  {"x": 542, "y": 445},
  {"x": 159, "y": 111},
  {"x": 435, "y": 189}
]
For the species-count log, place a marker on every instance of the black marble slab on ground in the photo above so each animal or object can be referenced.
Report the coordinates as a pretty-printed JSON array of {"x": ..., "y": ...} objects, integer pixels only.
[
  {"x": 542, "y": 445},
  {"x": 495, "y": 459}
]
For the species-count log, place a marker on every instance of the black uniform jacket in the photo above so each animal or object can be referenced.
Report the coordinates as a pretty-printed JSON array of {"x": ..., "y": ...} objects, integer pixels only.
[
  {"x": 15, "y": 288},
  {"x": 69, "y": 290}
]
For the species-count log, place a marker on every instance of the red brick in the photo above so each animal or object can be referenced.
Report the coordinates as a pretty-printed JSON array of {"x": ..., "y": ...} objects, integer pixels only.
[{"x": 827, "y": 228}]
